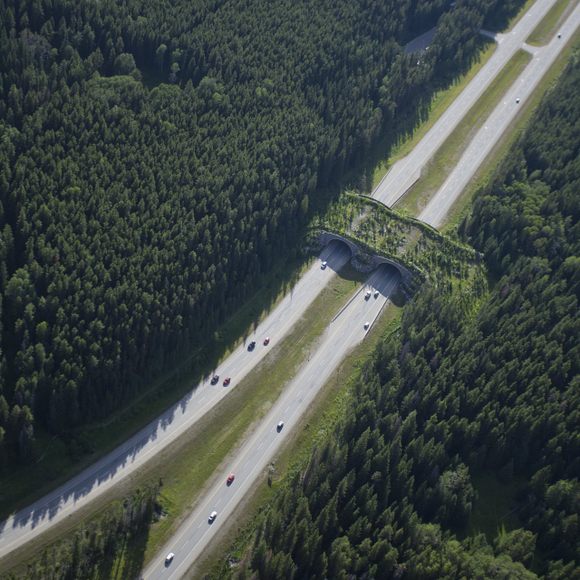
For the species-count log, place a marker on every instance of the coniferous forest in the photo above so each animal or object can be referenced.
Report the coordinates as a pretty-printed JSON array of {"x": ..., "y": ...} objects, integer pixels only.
[
  {"x": 458, "y": 394},
  {"x": 156, "y": 158}
]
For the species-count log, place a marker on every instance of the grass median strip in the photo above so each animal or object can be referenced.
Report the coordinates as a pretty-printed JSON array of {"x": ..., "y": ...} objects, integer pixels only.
[
  {"x": 188, "y": 466},
  {"x": 548, "y": 26},
  {"x": 440, "y": 103},
  {"x": 490, "y": 167},
  {"x": 327, "y": 410},
  {"x": 450, "y": 152},
  {"x": 57, "y": 462}
]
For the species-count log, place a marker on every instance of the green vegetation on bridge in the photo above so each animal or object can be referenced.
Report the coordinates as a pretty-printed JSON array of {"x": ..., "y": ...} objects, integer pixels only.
[{"x": 416, "y": 246}]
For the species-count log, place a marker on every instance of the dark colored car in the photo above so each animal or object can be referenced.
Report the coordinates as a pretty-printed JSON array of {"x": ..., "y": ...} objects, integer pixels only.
[
  {"x": 267, "y": 341},
  {"x": 230, "y": 479},
  {"x": 227, "y": 381},
  {"x": 252, "y": 345},
  {"x": 215, "y": 379}
]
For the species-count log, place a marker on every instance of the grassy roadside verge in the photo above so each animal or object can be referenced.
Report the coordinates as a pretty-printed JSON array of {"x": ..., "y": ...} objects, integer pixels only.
[
  {"x": 57, "y": 462},
  {"x": 191, "y": 463},
  {"x": 440, "y": 103},
  {"x": 327, "y": 410},
  {"x": 194, "y": 467},
  {"x": 450, "y": 152},
  {"x": 488, "y": 170},
  {"x": 520, "y": 13},
  {"x": 546, "y": 29}
]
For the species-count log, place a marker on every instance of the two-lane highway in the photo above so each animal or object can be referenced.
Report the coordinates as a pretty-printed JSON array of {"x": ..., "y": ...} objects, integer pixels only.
[
  {"x": 497, "y": 123},
  {"x": 407, "y": 171},
  {"x": 134, "y": 453},
  {"x": 345, "y": 332},
  {"x": 342, "y": 334}
]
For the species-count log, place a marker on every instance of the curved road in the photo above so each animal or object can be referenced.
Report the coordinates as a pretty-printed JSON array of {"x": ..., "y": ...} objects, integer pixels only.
[
  {"x": 340, "y": 337},
  {"x": 345, "y": 332},
  {"x": 195, "y": 534},
  {"x": 135, "y": 452},
  {"x": 407, "y": 170}
]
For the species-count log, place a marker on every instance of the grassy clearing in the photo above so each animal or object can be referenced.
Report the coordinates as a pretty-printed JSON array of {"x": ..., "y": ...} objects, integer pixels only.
[
  {"x": 488, "y": 170},
  {"x": 440, "y": 103},
  {"x": 450, "y": 152},
  {"x": 546, "y": 29},
  {"x": 327, "y": 410},
  {"x": 57, "y": 462},
  {"x": 494, "y": 507}
]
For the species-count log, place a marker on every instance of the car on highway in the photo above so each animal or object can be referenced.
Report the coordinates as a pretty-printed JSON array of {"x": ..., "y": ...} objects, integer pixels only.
[
  {"x": 267, "y": 341},
  {"x": 169, "y": 558},
  {"x": 559, "y": 35},
  {"x": 376, "y": 293},
  {"x": 212, "y": 517},
  {"x": 252, "y": 345},
  {"x": 280, "y": 426},
  {"x": 367, "y": 324},
  {"x": 367, "y": 294},
  {"x": 323, "y": 265},
  {"x": 215, "y": 379},
  {"x": 518, "y": 100},
  {"x": 227, "y": 381},
  {"x": 230, "y": 479}
]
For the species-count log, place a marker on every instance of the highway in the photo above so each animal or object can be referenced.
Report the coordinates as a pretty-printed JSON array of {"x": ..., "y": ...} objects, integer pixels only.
[
  {"x": 406, "y": 171},
  {"x": 42, "y": 515},
  {"x": 497, "y": 123},
  {"x": 344, "y": 333},
  {"x": 194, "y": 535}
]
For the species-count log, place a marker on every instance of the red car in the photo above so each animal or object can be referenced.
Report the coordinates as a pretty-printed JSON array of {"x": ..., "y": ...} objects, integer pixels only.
[
  {"x": 230, "y": 479},
  {"x": 267, "y": 341},
  {"x": 227, "y": 381}
]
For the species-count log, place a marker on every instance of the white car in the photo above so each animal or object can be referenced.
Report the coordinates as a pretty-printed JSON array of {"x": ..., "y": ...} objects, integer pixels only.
[
  {"x": 518, "y": 100},
  {"x": 323, "y": 265},
  {"x": 169, "y": 558},
  {"x": 212, "y": 517},
  {"x": 367, "y": 294},
  {"x": 367, "y": 324},
  {"x": 376, "y": 293},
  {"x": 280, "y": 426}
]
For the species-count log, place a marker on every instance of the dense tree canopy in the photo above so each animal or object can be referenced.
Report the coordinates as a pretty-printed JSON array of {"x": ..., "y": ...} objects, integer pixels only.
[
  {"x": 455, "y": 396},
  {"x": 154, "y": 159}
]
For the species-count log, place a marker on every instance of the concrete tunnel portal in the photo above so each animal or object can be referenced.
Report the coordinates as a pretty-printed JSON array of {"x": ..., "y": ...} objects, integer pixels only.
[{"x": 360, "y": 258}]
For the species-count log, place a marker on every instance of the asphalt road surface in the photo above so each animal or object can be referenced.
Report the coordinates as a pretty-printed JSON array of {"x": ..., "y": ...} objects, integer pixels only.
[
  {"x": 345, "y": 332},
  {"x": 194, "y": 536},
  {"x": 500, "y": 119},
  {"x": 407, "y": 170},
  {"x": 134, "y": 453}
]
